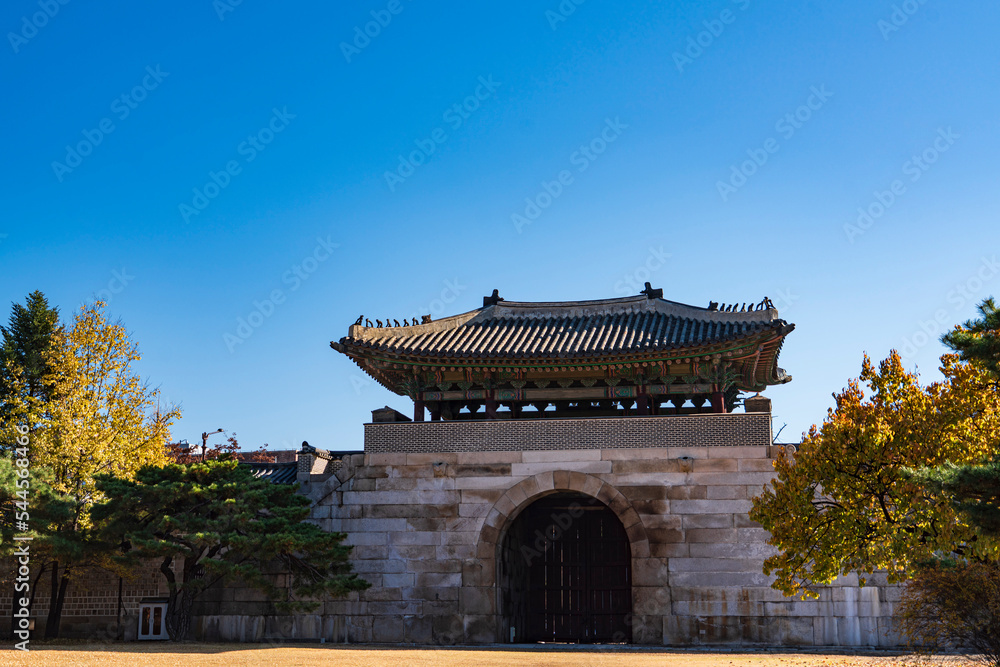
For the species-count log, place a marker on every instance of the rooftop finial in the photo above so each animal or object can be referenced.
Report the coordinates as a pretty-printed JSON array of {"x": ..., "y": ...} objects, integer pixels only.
[
  {"x": 652, "y": 293},
  {"x": 492, "y": 299}
]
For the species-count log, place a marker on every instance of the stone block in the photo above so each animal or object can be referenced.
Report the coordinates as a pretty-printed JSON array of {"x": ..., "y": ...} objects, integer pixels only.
[
  {"x": 744, "y": 521},
  {"x": 738, "y": 452},
  {"x": 431, "y": 594},
  {"x": 408, "y": 552},
  {"x": 590, "y": 485},
  {"x": 708, "y": 579},
  {"x": 558, "y": 455},
  {"x": 717, "y": 608},
  {"x": 474, "y": 510},
  {"x": 650, "y": 572},
  {"x": 363, "y": 484},
  {"x": 654, "y": 466},
  {"x": 494, "y": 483},
  {"x": 589, "y": 467},
  {"x": 714, "y": 465},
  {"x": 561, "y": 479},
  {"x": 664, "y": 535},
  {"x": 429, "y": 459},
  {"x": 650, "y": 492},
  {"x": 426, "y": 523},
  {"x": 481, "y": 469},
  {"x": 670, "y": 550},
  {"x": 650, "y": 600},
  {"x": 381, "y": 594},
  {"x": 734, "y": 595},
  {"x": 757, "y": 465},
  {"x": 795, "y": 631},
  {"x": 393, "y": 484},
  {"x": 707, "y": 521},
  {"x": 477, "y": 600},
  {"x": 398, "y": 580},
  {"x": 825, "y": 631},
  {"x": 373, "y": 525},
  {"x": 709, "y": 506},
  {"x": 489, "y": 457},
  {"x": 480, "y": 629},
  {"x": 755, "y": 550},
  {"x": 417, "y": 629},
  {"x": 713, "y": 565},
  {"x": 415, "y": 538},
  {"x": 748, "y": 535},
  {"x": 378, "y": 551},
  {"x": 359, "y": 629},
  {"x": 454, "y": 538},
  {"x": 394, "y": 459},
  {"x": 726, "y": 492},
  {"x": 425, "y": 471},
  {"x": 379, "y": 566},
  {"x": 410, "y": 510},
  {"x": 651, "y": 507},
  {"x": 438, "y": 579},
  {"x": 632, "y": 453},
  {"x": 687, "y": 492},
  {"x": 711, "y": 535},
  {"x": 434, "y": 565},
  {"x": 464, "y": 524},
  {"x": 399, "y": 608},
  {"x": 728, "y": 478},
  {"x": 485, "y": 496},
  {"x": 546, "y": 481},
  {"x": 448, "y": 629},
  {"x": 359, "y": 539},
  {"x": 517, "y": 496}
]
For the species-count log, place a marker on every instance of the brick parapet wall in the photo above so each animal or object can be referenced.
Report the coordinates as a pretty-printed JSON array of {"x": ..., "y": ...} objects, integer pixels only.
[{"x": 708, "y": 430}]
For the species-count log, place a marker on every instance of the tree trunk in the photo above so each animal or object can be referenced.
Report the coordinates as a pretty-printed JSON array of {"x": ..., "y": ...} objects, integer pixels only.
[
  {"x": 56, "y": 600},
  {"x": 179, "y": 615},
  {"x": 51, "y": 628}
]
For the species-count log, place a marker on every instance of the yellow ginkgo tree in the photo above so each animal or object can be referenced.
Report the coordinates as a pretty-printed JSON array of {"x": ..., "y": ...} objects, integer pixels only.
[
  {"x": 843, "y": 504},
  {"x": 102, "y": 418}
]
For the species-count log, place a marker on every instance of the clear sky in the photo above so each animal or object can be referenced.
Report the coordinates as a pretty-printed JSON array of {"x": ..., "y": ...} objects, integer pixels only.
[{"x": 189, "y": 160}]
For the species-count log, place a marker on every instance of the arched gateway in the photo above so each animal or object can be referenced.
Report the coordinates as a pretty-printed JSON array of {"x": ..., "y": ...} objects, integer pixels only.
[{"x": 565, "y": 573}]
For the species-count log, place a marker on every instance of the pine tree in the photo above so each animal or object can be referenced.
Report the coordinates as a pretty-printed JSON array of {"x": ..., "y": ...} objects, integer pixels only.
[
  {"x": 226, "y": 526},
  {"x": 25, "y": 370}
]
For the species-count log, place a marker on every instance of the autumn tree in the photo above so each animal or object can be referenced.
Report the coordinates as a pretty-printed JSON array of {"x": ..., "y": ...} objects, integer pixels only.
[
  {"x": 179, "y": 452},
  {"x": 224, "y": 525},
  {"x": 99, "y": 418},
  {"x": 844, "y": 502},
  {"x": 954, "y": 599}
]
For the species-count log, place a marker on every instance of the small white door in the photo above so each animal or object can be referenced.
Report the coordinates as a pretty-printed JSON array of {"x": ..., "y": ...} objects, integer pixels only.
[{"x": 152, "y": 620}]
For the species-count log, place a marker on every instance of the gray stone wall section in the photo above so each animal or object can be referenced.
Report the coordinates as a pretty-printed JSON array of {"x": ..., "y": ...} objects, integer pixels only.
[
  {"x": 425, "y": 527},
  {"x": 708, "y": 430}
]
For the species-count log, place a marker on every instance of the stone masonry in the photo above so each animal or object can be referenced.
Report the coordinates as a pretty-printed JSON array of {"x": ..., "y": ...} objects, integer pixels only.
[{"x": 427, "y": 521}]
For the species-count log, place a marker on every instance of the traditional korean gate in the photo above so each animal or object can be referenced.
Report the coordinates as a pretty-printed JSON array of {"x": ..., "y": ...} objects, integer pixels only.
[{"x": 565, "y": 574}]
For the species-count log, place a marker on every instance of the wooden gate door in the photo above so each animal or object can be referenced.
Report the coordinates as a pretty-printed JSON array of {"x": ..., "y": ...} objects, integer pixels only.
[{"x": 578, "y": 584}]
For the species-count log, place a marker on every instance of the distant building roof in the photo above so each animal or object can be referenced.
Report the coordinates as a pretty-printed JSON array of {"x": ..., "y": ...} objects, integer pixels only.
[{"x": 276, "y": 473}]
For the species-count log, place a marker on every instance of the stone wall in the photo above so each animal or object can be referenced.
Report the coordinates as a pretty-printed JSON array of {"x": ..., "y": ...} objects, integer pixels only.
[
  {"x": 427, "y": 526},
  {"x": 91, "y": 606}
]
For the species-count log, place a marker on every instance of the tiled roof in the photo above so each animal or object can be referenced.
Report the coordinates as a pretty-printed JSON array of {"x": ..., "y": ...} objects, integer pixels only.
[
  {"x": 276, "y": 473},
  {"x": 569, "y": 330}
]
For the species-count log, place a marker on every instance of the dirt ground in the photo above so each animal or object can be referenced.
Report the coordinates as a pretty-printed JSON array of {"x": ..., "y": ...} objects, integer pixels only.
[{"x": 238, "y": 655}]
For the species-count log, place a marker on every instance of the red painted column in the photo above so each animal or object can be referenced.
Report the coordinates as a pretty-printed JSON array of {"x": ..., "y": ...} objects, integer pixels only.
[{"x": 418, "y": 411}]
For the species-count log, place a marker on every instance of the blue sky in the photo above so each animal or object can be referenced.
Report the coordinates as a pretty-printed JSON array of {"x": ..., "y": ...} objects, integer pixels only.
[{"x": 190, "y": 160}]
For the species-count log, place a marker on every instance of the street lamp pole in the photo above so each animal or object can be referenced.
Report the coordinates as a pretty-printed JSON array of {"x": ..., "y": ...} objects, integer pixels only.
[{"x": 204, "y": 442}]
